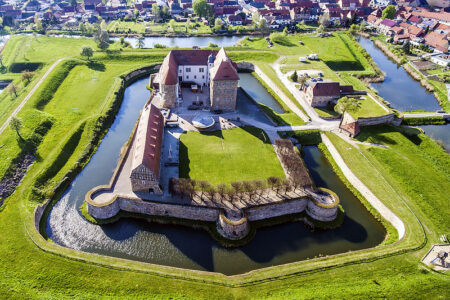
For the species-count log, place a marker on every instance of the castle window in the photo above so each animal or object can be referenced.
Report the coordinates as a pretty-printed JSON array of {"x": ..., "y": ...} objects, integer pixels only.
[
  {"x": 201, "y": 70},
  {"x": 187, "y": 76},
  {"x": 195, "y": 76},
  {"x": 188, "y": 69},
  {"x": 203, "y": 76}
]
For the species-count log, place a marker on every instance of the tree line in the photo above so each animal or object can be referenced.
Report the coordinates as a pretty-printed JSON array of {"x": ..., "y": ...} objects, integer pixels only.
[{"x": 237, "y": 190}]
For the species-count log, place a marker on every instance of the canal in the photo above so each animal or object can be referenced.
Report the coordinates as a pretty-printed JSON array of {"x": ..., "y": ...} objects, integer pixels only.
[
  {"x": 403, "y": 92},
  {"x": 185, "y": 247},
  {"x": 184, "y": 42}
]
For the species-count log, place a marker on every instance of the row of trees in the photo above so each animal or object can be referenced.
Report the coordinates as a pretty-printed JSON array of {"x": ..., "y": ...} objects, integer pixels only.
[
  {"x": 293, "y": 164},
  {"x": 254, "y": 189}
]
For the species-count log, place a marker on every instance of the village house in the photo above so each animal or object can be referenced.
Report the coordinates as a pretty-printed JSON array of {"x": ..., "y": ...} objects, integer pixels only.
[
  {"x": 204, "y": 68},
  {"x": 320, "y": 94},
  {"x": 146, "y": 153},
  {"x": 349, "y": 125}
]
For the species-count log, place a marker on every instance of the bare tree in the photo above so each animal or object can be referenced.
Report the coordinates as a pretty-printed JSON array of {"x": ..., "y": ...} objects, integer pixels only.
[
  {"x": 272, "y": 181},
  {"x": 247, "y": 187},
  {"x": 221, "y": 190},
  {"x": 259, "y": 185},
  {"x": 203, "y": 187},
  {"x": 237, "y": 187}
]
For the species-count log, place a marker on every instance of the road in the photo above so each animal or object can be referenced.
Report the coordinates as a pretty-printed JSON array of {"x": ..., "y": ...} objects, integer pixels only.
[{"x": 30, "y": 94}]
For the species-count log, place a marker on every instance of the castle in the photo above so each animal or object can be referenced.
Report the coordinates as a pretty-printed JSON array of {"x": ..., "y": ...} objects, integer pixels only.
[{"x": 204, "y": 68}]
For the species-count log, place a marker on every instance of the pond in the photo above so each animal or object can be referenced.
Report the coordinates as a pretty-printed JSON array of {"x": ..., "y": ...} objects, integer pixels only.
[
  {"x": 184, "y": 42},
  {"x": 403, "y": 92},
  {"x": 257, "y": 91},
  {"x": 185, "y": 247}
]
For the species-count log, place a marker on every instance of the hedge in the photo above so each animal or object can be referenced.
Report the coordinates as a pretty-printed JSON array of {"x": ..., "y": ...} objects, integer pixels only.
[
  {"x": 423, "y": 121},
  {"x": 24, "y": 66}
]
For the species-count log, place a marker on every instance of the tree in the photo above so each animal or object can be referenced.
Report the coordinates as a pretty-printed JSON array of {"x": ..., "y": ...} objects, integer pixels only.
[
  {"x": 247, "y": 187},
  {"x": 87, "y": 52},
  {"x": 302, "y": 80},
  {"x": 221, "y": 190},
  {"x": 204, "y": 185},
  {"x": 347, "y": 104},
  {"x": 82, "y": 27},
  {"x": 362, "y": 26},
  {"x": 156, "y": 11},
  {"x": 73, "y": 3},
  {"x": 285, "y": 31},
  {"x": 12, "y": 89},
  {"x": 16, "y": 125},
  {"x": 26, "y": 76},
  {"x": 217, "y": 25},
  {"x": 353, "y": 29},
  {"x": 263, "y": 25},
  {"x": 272, "y": 181},
  {"x": 406, "y": 47},
  {"x": 294, "y": 76},
  {"x": 202, "y": 8},
  {"x": 321, "y": 29},
  {"x": 324, "y": 20},
  {"x": 172, "y": 24},
  {"x": 259, "y": 185},
  {"x": 237, "y": 187},
  {"x": 140, "y": 42},
  {"x": 101, "y": 37},
  {"x": 388, "y": 12}
]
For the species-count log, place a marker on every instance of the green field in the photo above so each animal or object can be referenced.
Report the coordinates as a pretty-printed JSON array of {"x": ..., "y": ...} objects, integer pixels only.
[{"x": 228, "y": 155}]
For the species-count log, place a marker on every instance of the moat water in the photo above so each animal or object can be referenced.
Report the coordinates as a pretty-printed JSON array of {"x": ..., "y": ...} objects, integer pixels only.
[
  {"x": 184, "y": 42},
  {"x": 185, "y": 247},
  {"x": 257, "y": 91},
  {"x": 399, "y": 88}
]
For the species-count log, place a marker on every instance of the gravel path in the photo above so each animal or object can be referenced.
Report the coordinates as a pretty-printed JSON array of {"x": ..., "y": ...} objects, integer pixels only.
[
  {"x": 362, "y": 188},
  {"x": 24, "y": 101}
]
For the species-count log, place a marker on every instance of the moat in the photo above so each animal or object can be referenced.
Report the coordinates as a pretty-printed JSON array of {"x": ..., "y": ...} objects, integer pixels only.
[{"x": 195, "y": 248}]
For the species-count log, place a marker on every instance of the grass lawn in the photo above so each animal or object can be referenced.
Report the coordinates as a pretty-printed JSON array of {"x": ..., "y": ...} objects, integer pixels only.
[
  {"x": 413, "y": 169},
  {"x": 228, "y": 155},
  {"x": 325, "y": 112}
]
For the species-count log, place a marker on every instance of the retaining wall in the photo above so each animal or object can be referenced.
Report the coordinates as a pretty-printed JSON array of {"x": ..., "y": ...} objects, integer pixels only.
[{"x": 387, "y": 119}]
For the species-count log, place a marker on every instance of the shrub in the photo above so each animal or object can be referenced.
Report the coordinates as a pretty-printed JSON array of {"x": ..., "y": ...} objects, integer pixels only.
[{"x": 159, "y": 46}]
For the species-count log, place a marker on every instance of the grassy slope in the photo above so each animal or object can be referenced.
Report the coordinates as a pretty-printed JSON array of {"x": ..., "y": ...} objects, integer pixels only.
[{"x": 220, "y": 156}]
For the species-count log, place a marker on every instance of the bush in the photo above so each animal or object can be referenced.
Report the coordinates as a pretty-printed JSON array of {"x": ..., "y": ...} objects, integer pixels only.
[
  {"x": 159, "y": 46},
  {"x": 280, "y": 38}
]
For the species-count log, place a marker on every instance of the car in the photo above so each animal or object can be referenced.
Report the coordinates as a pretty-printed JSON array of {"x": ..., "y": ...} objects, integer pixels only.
[
  {"x": 217, "y": 111},
  {"x": 300, "y": 42},
  {"x": 441, "y": 111},
  {"x": 319, "y": 79}
]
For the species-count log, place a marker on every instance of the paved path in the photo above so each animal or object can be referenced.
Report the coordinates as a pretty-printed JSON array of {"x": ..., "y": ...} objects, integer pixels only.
[
  {"x": 282, "y": 95},
  {"x": 362, "y": 188},
  {"x": 24, "y": 101}
]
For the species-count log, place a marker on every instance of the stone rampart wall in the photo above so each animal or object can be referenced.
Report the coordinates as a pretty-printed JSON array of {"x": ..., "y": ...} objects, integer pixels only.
[
  {"x": 321, "y": 213},
  {"x": 387, "y": 119},
  {"x": 277, "y": 209},
  {"x": 233, "y": 230}
]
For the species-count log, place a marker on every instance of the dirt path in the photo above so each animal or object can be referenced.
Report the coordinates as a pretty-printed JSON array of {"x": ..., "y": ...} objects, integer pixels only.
[
  {"x": 364, "y": 190},
  {"x": 25, "y": 100}
]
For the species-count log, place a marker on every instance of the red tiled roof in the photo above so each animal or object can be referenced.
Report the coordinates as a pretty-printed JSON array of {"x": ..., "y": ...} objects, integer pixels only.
[
  {"x": 349, "y": 124},
  {"x": 437, "y": 41},
  {"x": 225, "y": 71},
  {"x": 326, "y": 89},
  {"x": 148, "y": 139},
  {"x": 443, "y": 16}
]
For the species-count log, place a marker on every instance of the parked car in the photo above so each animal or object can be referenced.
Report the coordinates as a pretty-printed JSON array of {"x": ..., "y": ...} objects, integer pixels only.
[{"x": 218, "y": 111}]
